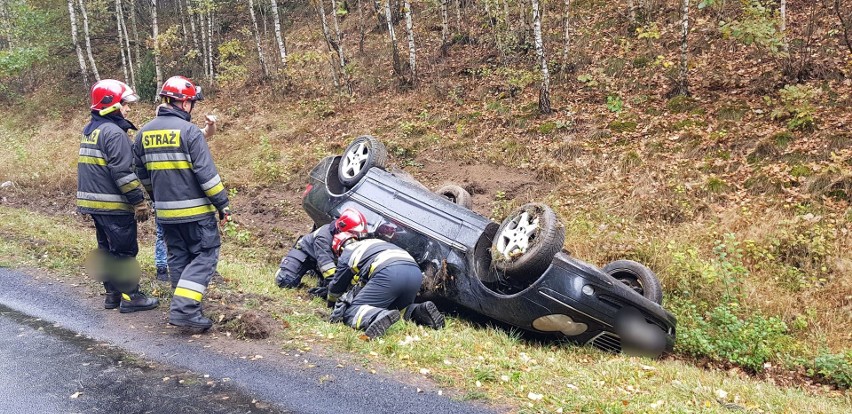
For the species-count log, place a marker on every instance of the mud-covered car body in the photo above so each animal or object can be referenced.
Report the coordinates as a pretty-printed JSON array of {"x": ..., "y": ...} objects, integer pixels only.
[{"x": 570, "y": 300}]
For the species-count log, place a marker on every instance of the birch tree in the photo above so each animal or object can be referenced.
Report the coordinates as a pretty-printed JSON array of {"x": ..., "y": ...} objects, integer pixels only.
[
  {"x": 179, "y": 8},
  {"x": 340, "y": 54},
  {"x": 682, "y": 87},
  {"x": 122, "y": 31},
  {"x": 88, "y": 40},
  {"x": 544, "y": 92},
  {"x": 445, "y": 24},
  {"x": 783, "y": 16},
  {"x": 6, "y": 22},
  {"x": 397, "y": 67},
  {"x": 136, "y": 45},
  {"x": 121, "y": 43},
  {"x": 566, "y": 46},
  {"x": 83, "y": 70},
  {"x": 192, "y": 28},
  {"x": 409, "y": 29},
  {"x": 257, "y": 40},
  {"x": 211, "y": 75},
  {"x": 156, "y": 32},
  {"x": 278, "y": 38},
  {"x": 631, "y": 11},
  {"x": 361, "y": 29}
]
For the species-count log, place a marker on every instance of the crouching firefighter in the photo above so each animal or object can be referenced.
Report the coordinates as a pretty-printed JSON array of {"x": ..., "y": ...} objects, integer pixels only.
[
  {"x": 312, "y": 251},
  {"x": 387, "y": 280},
  {"x": 109, "y": 191},
  {"x": 172, "y": 158}
]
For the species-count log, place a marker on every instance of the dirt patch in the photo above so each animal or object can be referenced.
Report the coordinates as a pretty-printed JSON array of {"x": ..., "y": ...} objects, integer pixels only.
[
  {"x": 485, "y": 182},
  {"x": 274, "y": 216},
  {"x": 230, "y": 313}
]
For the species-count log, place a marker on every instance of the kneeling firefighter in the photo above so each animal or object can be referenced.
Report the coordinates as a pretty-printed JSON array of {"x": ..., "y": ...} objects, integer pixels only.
[
  {"x": 387, "y": 280},
  {"x": 313, "y": 250}
]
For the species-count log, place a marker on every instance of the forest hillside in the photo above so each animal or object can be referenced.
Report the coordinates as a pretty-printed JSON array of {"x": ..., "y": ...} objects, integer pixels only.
[{"x": 709, "y": 139}]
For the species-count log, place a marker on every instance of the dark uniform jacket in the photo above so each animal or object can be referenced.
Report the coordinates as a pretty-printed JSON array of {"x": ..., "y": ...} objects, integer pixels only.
[
  {"x": 106, "y": 183},
  {"x": 363, "y": 258},
  {"x": 174, "y": 163},
  {"x": 318, "y": 245}
]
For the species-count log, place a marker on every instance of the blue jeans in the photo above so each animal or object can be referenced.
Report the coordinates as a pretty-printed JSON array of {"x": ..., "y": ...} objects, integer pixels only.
[{"x": 160, "y": 254}]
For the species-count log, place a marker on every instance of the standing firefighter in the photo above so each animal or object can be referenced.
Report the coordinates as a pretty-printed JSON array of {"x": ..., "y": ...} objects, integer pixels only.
[
  {"x": 111, "y": 193},
  {"x": 174, "y": 160},
  {"x": 313, "y": 250},
  {"x": 390, "y": 278}
]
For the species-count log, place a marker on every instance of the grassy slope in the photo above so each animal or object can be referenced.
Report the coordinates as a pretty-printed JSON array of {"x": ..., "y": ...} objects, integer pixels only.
[{"x": 481, "y": 363}]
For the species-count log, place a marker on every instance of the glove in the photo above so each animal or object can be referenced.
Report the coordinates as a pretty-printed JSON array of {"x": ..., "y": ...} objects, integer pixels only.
[
  {"x": 225, "y": 216},
  {"x": 141, "y": 211},
  {"x": 319, "y": 292},
  {"x": 340, "y": 308}
]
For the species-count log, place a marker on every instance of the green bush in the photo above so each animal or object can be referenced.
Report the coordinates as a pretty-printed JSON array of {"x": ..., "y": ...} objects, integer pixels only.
[
  {"x": 797, "y": 107},
  {"x": 722, "y": 335},
  {"x": 833, "y": 368}
]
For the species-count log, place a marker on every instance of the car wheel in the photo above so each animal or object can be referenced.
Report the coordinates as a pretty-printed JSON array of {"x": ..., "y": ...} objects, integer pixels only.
[
  {"x": 527, "y": 241},
  {"x": 637, "y": 277},
  {"x": 457, "y": 195},
  {"x": 362, "y": 154}
]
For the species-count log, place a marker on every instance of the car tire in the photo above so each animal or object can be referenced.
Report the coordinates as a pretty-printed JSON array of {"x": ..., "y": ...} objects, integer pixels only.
[
  {"x": 457, "y": 195},
  {"x": 637, "y": 277},
  {"x": 526, "y": 242},
  {"x": 363, "y": 153}
]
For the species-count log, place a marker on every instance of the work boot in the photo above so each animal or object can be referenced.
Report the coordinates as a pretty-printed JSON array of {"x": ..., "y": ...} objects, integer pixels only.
[
  {"x": 425, "y": 314},
  {"x": 196, "y": 321},
  {"x": 136, "y": 301},
  {"x": 383, "y": 321},
  {"x": 112, "y": 298},
  {"x": 163, "y": 274}
]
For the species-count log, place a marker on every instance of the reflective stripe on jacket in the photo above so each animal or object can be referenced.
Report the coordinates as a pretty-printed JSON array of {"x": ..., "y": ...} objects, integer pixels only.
[
  {"x": 174, "y": 162},
  {"x": 106, "y": 183},
  {"x": 363, "y": 258}
]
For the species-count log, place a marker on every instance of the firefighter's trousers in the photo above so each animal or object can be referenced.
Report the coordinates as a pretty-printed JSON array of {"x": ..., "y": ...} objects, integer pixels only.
[
  {"x": 193, "y": 254},
  {"x": 117, "y": 245},
  {"x": 392, "y": 287}
]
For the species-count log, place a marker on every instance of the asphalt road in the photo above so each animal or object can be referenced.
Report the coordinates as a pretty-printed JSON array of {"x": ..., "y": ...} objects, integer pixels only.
[{"x": 56, "y": 341}]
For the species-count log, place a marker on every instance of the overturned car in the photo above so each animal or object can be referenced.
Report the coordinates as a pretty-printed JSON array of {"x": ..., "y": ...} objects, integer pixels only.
[{"x": 515, "y": 273}]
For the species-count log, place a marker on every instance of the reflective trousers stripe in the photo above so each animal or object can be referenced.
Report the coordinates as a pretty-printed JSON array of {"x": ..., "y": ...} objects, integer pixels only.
[
  {"x": 190, "y": 294},
  {"x": 92, "y": 160},
  {"x": 168, "y": 165},
  {"x": 328, "y": 273},
  {"x": 104, "y": 205},
  {"x": 360, "y": 315},
  {"x": 218, "y": 188},
  {"x": 185, "y": 212}
]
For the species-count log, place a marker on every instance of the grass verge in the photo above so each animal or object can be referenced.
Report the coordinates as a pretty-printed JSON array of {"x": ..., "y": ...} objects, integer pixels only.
[{"x": 480, "y": 363}]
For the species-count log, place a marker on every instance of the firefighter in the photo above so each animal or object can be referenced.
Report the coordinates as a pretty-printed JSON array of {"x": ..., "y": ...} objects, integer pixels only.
[
  {"x": 109, "y": 191},
  {"x": 387, "y": 280},
  {"x": 174, "y": 160},
  {"x": 313, "y": 251}
]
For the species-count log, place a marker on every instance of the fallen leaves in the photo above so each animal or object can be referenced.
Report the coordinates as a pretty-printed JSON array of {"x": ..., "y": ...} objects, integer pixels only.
[{"x": 76, "y": 395}]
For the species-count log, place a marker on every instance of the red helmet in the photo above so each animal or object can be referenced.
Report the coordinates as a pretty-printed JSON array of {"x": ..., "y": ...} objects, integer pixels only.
[
  {"x": 353, "y": 221},
  {"x": 181, "y": 89},
  {"x": 109, "y": 94},
  {"x": 340, "y": 240}
]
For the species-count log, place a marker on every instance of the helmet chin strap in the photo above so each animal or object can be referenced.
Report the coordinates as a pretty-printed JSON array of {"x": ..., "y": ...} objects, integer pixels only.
[{"x": 110, "y": 109}]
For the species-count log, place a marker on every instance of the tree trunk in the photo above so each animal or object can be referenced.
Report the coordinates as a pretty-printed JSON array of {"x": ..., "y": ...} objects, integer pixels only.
[
  {"x": 156, "y": 33},
  {"x": 257, "y": 40},
  {"x": 397, "y": 67},
  {"x": 566, "y": 47},
  {"x": 445, "y": 23},
  {"x": 340, "y": 54},
  {"x": 179, "y": 8},
  {"x": 83, "y": 70},
  {"x": 136, "y": 46},
  {"x": 88, "y": 40},
  {"x": 122, "y": 30},
  {"x": 212, "y": 74},
  {"x": 544, "y": 92},
  {"x": 631, "y": 11},
  {"x": 121, "y": 43},
  {"x": 409, "y": 29},
  {"x": 506, "y": 18},
  {"x": 192, "y": 29},
  {"x": 362, "y": 31},
  {"x": 278, "y": 38},
  {"x": 458, "y": 16},
  {"x": 202, "y": 25},
  {"x": 682, "y": 87},
  {"x": 6, "y": 22},
  {"x": 783, "y": 17}
]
